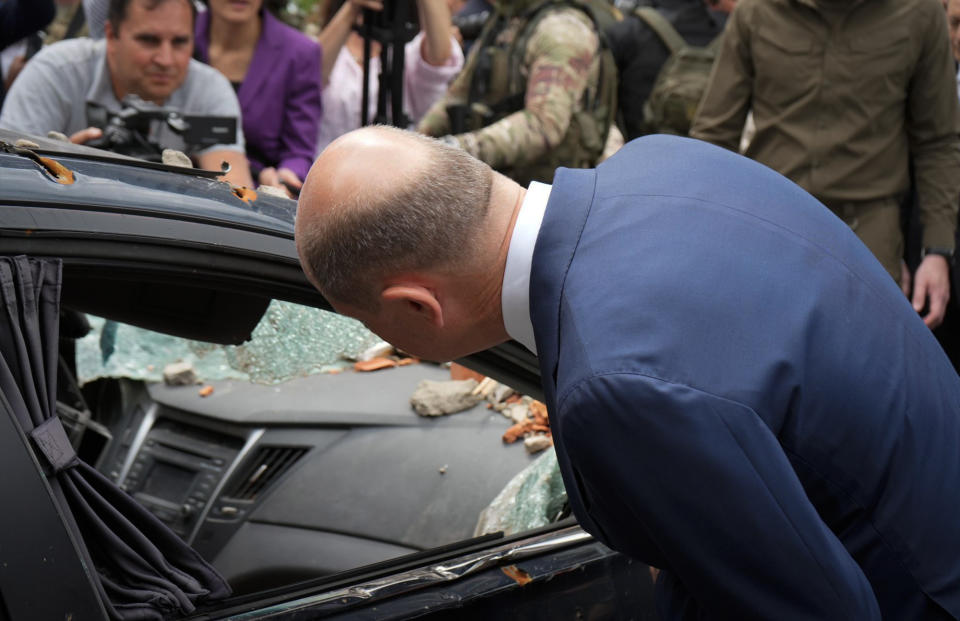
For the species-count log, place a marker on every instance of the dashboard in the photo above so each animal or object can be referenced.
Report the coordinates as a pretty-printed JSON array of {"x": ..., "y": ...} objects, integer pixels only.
[{"x": 277, "y": 484}]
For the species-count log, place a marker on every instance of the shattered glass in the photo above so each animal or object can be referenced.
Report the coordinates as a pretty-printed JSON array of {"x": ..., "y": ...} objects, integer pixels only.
[
  {"x": 290, "y": 341},
  {"x": 534, "y": 497}
]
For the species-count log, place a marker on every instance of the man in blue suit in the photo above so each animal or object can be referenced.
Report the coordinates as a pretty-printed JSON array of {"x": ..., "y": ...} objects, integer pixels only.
[{"x": 739, "y": 393}]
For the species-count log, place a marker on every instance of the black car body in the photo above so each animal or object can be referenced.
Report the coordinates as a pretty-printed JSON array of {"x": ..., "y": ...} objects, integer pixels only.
[{"x": 315, "y": 499}]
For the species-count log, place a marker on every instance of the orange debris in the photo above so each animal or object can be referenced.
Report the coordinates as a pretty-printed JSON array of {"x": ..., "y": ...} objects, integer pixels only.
[
  {"x": 520, "y": 576},
  {"x": 374, "y": 364}
]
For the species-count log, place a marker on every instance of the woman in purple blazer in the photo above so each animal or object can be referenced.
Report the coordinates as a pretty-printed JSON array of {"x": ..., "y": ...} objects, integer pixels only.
[{"x": 275, "y": 70}]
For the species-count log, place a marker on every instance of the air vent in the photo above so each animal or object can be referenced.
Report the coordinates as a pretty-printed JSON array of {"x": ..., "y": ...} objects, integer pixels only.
[{"x": 266, "y": 466}]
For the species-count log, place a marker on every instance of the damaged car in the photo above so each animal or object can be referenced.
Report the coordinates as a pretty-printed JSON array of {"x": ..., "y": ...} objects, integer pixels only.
[{"x": 186, "y": 434}]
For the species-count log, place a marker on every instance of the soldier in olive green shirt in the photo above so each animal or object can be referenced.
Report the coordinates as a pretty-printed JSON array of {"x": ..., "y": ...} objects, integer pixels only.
[{"x": 844, "y": 94}]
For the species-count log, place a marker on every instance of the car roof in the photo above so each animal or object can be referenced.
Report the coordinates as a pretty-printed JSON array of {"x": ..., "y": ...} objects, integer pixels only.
[
  {"x": 114, "y": 182},
  {"x": 107, "y": 183}
]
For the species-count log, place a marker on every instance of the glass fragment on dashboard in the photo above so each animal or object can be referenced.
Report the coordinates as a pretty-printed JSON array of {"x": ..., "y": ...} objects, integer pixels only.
[{"x": 533, "y": 498}]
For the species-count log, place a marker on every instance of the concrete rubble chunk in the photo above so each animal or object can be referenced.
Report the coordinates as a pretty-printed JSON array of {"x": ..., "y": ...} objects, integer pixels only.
[
  {"x": 537, "y": 443},
  {"x": 172, "y": 157},
  {"x": 500, "y": 393},
  {"x": 485, "y": 387},
  {"x": 273, "y": 190},
  {"x": 179, "y": 374},
  {"x": 517, "y": 412},
  {"x": 436, "y": 398}
]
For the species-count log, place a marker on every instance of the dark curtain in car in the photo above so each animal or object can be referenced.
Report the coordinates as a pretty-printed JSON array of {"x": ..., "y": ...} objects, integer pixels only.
[{"x": 145, "y": 571}]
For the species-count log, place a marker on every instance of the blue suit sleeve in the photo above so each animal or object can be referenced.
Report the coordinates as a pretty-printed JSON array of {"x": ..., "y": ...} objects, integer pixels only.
[{"x": 700, "y": 486}]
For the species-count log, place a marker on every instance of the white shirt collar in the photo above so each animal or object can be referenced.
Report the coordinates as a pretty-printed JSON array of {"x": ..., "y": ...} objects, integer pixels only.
[{"x": 515, "y": 295}]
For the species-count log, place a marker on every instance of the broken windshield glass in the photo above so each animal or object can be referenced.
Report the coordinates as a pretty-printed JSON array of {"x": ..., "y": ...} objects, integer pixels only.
[
  {"x": 290, "y": 341},
  {"x": 533, "y": 498}
]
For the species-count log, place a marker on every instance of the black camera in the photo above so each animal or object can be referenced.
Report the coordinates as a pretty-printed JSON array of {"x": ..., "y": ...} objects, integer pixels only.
[
  {"x": 471, "y": 25},
  {"x": 143, "y": 130},
  {"x": 397, "y": 23}
]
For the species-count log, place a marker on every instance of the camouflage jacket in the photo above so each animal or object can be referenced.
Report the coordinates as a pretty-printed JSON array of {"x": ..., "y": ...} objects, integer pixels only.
[{"x": 561, "y": 66}]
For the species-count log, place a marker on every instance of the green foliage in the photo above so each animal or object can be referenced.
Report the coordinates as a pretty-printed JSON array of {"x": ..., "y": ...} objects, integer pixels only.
[{"x": 298, "y": 13}]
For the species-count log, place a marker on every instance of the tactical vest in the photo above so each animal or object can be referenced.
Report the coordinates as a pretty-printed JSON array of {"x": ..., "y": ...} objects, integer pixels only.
[
  {"x": 498, "y": 89},
  {"x": 682, "y": 80}
]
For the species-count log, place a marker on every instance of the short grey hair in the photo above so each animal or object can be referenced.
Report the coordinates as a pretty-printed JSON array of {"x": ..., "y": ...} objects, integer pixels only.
[{"x": 429, "y": 222}]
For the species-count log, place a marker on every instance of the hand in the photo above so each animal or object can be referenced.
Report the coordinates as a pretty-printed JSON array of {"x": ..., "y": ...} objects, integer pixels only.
[
  {"x": 357, "y": 6},
  {"x": 281, "y": 178},
  {"x": 86, "y": 135},
  {"x": 932, "y": 289},
  {"x": 906, "y": 282}
]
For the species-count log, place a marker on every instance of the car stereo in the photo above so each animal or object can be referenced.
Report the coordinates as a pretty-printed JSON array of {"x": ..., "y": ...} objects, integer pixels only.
[{"x": 177, "y": 470}]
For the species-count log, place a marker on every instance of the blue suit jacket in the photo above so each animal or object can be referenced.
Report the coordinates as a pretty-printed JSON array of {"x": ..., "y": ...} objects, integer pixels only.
[{"x": 742, "y": 396}]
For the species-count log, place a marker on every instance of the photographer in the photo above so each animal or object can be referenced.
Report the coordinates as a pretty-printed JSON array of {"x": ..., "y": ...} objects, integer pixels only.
[
  {"x": 147, "y": 53},
  {"x": 433, "y": 58}
]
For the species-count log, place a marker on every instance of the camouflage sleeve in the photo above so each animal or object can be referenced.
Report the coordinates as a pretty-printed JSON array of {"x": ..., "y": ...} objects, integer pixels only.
[
  {"x": 436, "y": 122},
  {"x": 561, "y": 56}
]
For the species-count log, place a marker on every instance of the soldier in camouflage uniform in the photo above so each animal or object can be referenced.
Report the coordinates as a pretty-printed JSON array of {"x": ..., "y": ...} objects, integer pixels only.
[{"x": 535, "y": 92}]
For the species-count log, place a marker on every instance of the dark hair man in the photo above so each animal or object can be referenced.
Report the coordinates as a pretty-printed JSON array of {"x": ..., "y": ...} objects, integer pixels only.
[
  {"x": 147, "y": 53},
  {"x": 714, "y": 414}
]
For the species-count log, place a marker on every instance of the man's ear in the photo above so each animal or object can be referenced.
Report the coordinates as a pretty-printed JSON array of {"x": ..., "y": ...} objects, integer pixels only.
[{"x": 415, "y": 299}]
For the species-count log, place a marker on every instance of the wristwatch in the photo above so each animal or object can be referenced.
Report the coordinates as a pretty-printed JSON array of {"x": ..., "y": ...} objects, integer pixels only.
[{"x": 946, "y": 253}]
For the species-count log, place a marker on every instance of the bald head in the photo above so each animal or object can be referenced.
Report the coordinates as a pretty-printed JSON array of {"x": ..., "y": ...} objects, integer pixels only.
[
  {"x": 381, "y": 201},
  {"x": 363, "y": 164}
]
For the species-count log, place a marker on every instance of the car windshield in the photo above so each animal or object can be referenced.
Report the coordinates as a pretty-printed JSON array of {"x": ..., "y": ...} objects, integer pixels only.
[
  {"x": 290, "y": 341},
  {"x": 316, "y": 463}
]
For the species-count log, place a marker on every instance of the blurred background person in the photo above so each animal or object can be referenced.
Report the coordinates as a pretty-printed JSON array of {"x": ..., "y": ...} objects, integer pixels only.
[
  {"x": 538, "y": 91},
  {"x": 275, "y": 70},
  {"x": 95, "y": 12},
  {"x": 953, "y": 27},
  {"x": 643, "y": 52},
  {"x": 433, "y": 57},
  {"x": 19, "y": 18},
  {"x": 949, "y": 332},
  {"x": 20, "y": 21},
  {"x": 848, "y": 130},
  {"x": 146, "y": 58}
]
